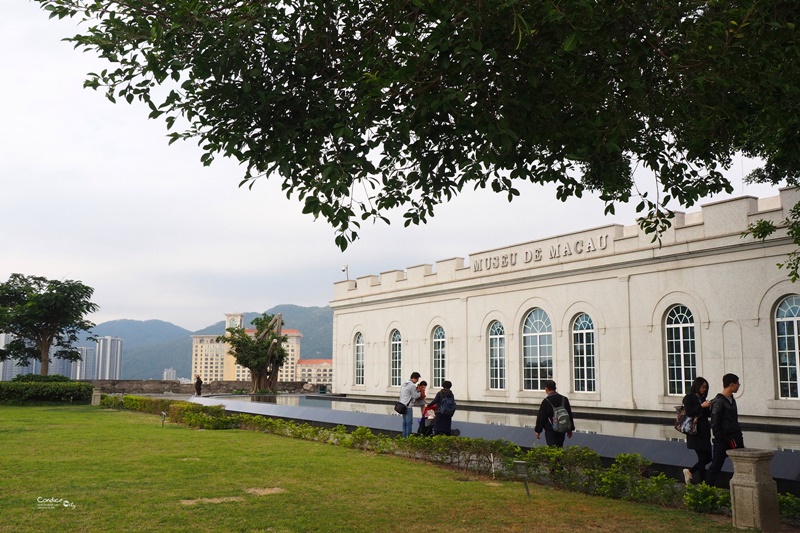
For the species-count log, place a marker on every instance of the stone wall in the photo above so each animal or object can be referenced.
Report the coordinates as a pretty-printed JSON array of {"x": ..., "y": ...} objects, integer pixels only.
[{"x": 152, "y": 386}]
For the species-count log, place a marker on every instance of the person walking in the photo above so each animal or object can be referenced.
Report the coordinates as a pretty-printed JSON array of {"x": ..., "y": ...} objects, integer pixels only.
[
  {"x": 409, "y": 392},
  {"x": 696, "y": 404},
  {"x": 544, "y": 420},
  {"x": 445, "y": 405},
  {"x": 724, "y": 426},
  {"x": 198, "y": 384}
]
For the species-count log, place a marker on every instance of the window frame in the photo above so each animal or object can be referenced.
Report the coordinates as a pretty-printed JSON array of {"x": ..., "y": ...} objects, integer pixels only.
[
  {"x": 358, "y": 362},
  {"x": 497, "y": 355},
  {"x": 788, "y": 386},
  {"x": 395, "y": 358},
  {"x": 584, "y": 354},
  {"x": 537, "y": 349},
  {"x": 439, "y": 355},
  {"x": 680, "y": 334}
]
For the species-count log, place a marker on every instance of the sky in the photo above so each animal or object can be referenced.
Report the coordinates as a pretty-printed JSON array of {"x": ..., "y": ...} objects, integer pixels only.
[{"x": 91, "y": 191}]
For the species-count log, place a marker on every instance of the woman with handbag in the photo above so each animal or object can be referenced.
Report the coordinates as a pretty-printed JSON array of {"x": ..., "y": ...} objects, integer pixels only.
[{"x": 697, "y": 405}]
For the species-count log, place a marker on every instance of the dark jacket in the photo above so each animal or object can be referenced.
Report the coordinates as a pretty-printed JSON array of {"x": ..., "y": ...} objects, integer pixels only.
[
  {"x": 693, "y": 405},
  {"x": 546, "y": 412},
  {"x": 442, "y": 423},
  {"x": 724, "y": 417}
]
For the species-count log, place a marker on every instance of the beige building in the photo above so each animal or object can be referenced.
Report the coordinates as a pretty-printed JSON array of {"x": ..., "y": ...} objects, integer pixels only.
[
  {"x": 211, "y": 360},
  {"x": 618, "y": 321},
  {"x": 315, "y": 371}
]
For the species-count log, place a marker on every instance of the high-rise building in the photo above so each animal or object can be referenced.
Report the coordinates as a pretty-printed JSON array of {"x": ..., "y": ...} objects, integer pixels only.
[
  {"x": 10, "y": 369},
  {"x": 86, "y": 368},
  {"x": 109, "y": 358},
  {"x": 170, "y": 374},
  {"x": 211, "y": 360}
]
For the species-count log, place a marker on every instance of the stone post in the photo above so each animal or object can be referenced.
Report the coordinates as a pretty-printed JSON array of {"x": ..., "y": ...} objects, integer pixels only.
[
  {"x": 95, "y": 396},
  {"x": 754, "y": 494}
]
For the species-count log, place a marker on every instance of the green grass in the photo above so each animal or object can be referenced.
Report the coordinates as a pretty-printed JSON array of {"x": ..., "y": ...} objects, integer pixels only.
[{"x": 124, "y": 472}]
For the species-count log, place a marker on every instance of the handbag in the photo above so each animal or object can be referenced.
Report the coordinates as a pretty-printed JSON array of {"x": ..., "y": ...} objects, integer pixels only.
[
  {"x": 400, "y": 407},
  {"x": 684, "y": 423}
]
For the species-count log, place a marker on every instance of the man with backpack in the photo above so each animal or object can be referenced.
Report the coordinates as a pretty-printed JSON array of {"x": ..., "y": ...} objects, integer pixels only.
[{"x": 555, "y": 417}]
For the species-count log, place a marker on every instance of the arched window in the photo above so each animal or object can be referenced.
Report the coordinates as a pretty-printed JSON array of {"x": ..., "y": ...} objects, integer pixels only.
[
  {"x": 537, "y": 350},
  {"x": 787, "y": 322},
  {"x": 359, "y": 359},
  {"x": 439, "y": 351},
  {"x": 497, "y": 356},
  {"x": 395, "y": 365},
  {"x": 583, "y": 354},
  {"x": 681, "y": 350}
]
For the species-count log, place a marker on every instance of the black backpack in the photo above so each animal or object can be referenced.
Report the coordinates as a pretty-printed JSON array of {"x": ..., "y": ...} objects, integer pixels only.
[{"x": 447, "y": 406}]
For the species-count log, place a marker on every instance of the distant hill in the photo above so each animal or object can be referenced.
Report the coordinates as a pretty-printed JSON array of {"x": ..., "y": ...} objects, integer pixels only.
[{"x": 150, "y": 346}]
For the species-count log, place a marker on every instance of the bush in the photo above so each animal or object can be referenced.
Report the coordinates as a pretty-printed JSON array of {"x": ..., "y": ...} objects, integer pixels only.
[
  {"x": 37, "y": 378},
  {"x": 789, "y": 506},
  {"x": 35, "y": 391},
  {"x": 704, "y": 498},
  {"x": 622, "y": 478}
]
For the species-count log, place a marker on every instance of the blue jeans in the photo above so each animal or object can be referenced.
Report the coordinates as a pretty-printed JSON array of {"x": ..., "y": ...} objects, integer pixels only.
[{"x": 408, "y": 422}]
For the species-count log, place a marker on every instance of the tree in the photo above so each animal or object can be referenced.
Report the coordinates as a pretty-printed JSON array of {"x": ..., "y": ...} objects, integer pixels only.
[
  {"x": 40, "y": 314},
  {"x": 263, "y": 353},
  {"x": 363, "y": 107}
]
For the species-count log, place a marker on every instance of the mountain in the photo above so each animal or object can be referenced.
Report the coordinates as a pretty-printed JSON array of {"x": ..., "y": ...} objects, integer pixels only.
[{"x": 150, "y": 346}]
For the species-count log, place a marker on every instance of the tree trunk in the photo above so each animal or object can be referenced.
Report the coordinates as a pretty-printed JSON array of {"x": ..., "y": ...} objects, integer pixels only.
[
  {"x": 44, "y": 353},
  {"x": 259, "y": 380}
]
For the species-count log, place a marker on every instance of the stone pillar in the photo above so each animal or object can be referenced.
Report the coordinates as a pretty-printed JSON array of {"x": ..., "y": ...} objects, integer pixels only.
[
  {"x": 95, "y": 396},
  {"x": 754, "y": 494}
]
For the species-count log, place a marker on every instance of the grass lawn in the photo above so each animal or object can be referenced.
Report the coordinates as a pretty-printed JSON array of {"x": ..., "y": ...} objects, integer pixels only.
[{"x": 111, "y": 471}]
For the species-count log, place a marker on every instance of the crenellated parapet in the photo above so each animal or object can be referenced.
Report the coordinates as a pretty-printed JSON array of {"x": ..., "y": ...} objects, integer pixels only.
[{"x": 715, "y": 225}]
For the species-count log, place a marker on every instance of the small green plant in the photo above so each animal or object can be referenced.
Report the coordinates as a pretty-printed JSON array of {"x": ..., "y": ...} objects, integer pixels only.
[
  {"x": 704, "y": 498},
  {"x": 789, "y": 506}
]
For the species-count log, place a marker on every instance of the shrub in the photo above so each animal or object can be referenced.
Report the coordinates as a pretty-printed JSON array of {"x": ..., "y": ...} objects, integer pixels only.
[
  {"x": 704, "y": 498},
  {"x": 658, "y": 489},
  {"x": 36, "y": 391},
  {"x": 789, "y": 506},
  {"x": 38, "y": 378},
  {"x": 622, "y": 478},
  {"x": 144, "y": 404}
]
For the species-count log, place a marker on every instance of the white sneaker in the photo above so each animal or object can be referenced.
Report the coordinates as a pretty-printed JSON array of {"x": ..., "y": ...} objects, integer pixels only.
[{"x": 687, "y": 476}]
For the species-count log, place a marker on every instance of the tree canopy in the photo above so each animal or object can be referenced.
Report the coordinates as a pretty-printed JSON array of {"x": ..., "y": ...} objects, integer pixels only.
[
  {"x": 40, "y": 314},
  {"x": 363, "y": 107},
  {"x": 261, "y": 352}
]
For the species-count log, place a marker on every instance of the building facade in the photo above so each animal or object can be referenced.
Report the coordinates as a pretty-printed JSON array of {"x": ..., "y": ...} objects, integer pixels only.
[
  {"x": 211, "y": 360},
  {"x": 109, "y": 358},
  {"x": 618, "y": 321},
  {"x": 315, "y": 371}
]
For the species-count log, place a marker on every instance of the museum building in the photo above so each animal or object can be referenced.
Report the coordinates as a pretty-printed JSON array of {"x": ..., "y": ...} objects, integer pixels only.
[{"x": 618, "y": 321}]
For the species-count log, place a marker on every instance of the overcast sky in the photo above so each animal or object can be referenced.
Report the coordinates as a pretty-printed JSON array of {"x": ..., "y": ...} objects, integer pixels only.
[{"x": 92, "y": 192}]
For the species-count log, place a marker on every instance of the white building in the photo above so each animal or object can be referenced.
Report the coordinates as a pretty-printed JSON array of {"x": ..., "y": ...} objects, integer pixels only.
[
  {"x": 109, "y": 357},
  {"x": 315, "y": 371},
  {"x": 170, "y": 374},
  {"x": 619, "y": 322}
]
